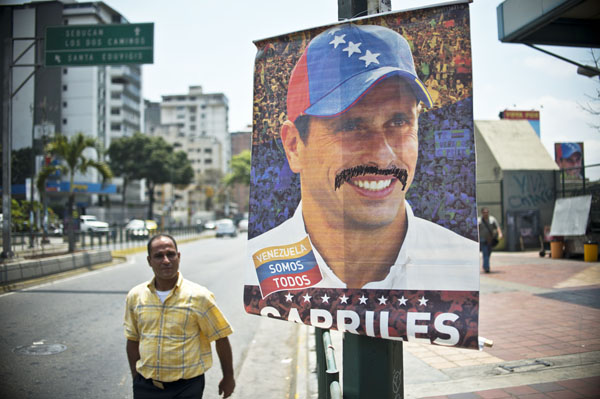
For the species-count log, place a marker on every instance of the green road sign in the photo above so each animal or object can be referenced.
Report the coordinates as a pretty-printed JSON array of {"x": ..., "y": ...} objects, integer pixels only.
[{"x": 80, "y": 45}]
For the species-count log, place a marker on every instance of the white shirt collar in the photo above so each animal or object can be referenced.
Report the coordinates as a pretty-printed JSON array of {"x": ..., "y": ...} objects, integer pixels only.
[{"x": 395, "y": 276}]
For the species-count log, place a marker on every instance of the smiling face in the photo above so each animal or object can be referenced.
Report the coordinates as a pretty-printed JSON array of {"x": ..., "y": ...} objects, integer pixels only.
[
  {"x": 164, "y": 261},
  {"x": 369, "y": 150}
]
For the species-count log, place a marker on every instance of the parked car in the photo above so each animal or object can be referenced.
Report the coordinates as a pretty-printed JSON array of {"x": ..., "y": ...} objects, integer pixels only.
[
  {"x": 210, "y": 225},
  {"x": 243, "y": 225},
  {"x": 136, "y": 230},
  {"x": 225, "y": 227},
  {"x": 89, "y": 224}
]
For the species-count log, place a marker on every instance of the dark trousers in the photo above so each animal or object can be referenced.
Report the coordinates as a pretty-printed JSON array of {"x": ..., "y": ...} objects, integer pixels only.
[
  {"x": 193, "y": 388},
  {"x": 486, "y": 250}
]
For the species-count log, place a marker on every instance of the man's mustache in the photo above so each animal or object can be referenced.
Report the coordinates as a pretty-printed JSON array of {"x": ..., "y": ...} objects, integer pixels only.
[{"x": 347, "y": 174}]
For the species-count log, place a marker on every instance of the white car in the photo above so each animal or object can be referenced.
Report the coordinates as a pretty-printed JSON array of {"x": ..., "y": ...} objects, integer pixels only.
[
  {"x": 243, "y": 225},
  {"x": 225, "y": 227},
  {"x": 136, "y": 229},
  {"x": 89, "y": 224}
]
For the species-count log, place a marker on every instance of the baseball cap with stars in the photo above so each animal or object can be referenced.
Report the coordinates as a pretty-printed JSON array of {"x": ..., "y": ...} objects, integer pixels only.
[{"x": 340, "y": 65}]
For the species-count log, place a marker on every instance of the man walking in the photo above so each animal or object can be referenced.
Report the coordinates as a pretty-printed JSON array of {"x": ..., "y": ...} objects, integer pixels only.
[
  {"x": 489, "y": 235},
  {"x": 170, "y": 323}
]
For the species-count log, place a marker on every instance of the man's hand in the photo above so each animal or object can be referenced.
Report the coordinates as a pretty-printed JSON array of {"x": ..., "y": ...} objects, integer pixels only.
[{"x": 226, "y": 386}]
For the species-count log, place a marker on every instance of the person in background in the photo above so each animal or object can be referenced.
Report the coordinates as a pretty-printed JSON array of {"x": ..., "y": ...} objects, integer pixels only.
[{"x": 489, "y": 236}]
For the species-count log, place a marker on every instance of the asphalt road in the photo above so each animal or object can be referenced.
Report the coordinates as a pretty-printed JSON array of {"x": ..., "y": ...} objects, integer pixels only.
[{"x": 83, "y": 317}]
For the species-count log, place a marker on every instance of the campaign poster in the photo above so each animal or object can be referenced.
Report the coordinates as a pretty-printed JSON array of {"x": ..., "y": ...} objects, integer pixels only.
[
  {"x": 569, "y": 157},
  {"x": 362, "y": 199}
]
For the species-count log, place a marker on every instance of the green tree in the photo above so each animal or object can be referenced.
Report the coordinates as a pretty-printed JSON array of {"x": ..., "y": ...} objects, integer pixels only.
[
  {"x": 124, "y": 162},
  {"x": 151, "y": 158},
  {"x": 240, "y": 169},
  {"x": 71, "y": 154}
]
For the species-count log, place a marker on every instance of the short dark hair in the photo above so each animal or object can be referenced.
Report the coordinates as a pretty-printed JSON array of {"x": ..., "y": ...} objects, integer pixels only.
[{"x": 157, "y": 236}]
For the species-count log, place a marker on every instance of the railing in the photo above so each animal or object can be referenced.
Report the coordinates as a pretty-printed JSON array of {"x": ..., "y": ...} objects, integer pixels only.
[
  {"x": 328, "y": 374},
  {"x": 37, "y": 243}
]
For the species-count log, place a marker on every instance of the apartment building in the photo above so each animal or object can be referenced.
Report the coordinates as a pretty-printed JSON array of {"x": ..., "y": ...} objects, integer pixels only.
[
  {"x": 201, "y": 119},
  {"x": 104, "y": 102}
]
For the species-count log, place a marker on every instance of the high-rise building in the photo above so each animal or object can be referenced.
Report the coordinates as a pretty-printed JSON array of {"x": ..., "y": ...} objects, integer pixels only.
[
  {"x": 200, "y": 119},
  {"x": 104, "y": 102}
]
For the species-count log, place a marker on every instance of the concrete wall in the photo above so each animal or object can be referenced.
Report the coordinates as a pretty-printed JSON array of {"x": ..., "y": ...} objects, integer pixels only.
[{"x": 28, "y": 269}]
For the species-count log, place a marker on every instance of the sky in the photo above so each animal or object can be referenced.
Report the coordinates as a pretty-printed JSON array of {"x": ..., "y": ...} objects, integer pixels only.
[{"x": 210, "y": 43}]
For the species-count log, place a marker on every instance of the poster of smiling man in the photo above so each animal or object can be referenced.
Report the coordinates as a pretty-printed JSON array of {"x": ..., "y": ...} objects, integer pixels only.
[{"x": 362, "y": 198}]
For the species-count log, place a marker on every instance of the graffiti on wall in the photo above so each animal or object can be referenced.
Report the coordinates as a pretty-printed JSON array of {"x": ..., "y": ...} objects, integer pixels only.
[{"x": 530, "y": 190}]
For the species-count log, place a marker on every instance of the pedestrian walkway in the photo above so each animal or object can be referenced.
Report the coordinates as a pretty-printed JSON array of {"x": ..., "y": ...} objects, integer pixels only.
[{"x": 543, "y": 316}]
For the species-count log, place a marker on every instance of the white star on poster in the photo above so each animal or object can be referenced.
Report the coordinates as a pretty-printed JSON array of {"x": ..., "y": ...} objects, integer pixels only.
[
  {"x": 332, "y": 31},
  {"x": 288, "y": 297},
  {"x": 325, "y": 298},
  {"x": 306, "y": 298},
  {"x": 363, "y": 300},
  {"x": 352, "y": 48},
  {"x": 344, "y": 299},
  {"x": 382, "y": 300},
  {"x": 402, "y": 301},
  {"x": 337, "y": 41},
  {"x": 370, "y": 58},
  {"x": 423, "y": 301}
]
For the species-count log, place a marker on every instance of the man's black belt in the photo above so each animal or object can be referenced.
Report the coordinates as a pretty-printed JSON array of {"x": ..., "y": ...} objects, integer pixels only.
[{"x": 172, "y": 384}]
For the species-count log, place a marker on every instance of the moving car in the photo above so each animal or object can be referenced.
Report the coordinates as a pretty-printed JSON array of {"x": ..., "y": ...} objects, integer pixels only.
[
  {"x": 225, "y": 227},
  {"x": 136, "y": 230},
  {"x": 89, "y": 224}
]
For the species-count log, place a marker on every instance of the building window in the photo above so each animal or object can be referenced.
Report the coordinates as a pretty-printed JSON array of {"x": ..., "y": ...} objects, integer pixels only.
[
  {"x": 115, "y": 126},
  {"x": 115, "y": 95},
  {"x": 208, "y": 150},
  {"x": 64, "y": 87},
  {"x": 192, "y": 127},
  {"x": 64, "y": 121},
  {"x": 64, "y": 104},
  {"x": 65, "y": 70},
  {"x": 115, "y": 111},
  {"x": 208, "y": 161}
]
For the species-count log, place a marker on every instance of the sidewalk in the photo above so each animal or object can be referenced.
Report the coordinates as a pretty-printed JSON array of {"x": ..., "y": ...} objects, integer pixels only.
[{"x": 544, "y": 318}]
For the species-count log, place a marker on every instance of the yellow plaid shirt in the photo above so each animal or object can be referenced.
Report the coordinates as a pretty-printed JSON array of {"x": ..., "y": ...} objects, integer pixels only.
[{"x": 174, "y": 337}]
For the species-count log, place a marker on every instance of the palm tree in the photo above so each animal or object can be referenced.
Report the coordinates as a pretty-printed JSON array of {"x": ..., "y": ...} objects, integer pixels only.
[{"x": 71, "y": 154}]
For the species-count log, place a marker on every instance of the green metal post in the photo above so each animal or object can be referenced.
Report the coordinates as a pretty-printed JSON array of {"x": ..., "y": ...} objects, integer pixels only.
[
  {"x": 321, "y": 363},
  {"x": 373, "y": 368}
]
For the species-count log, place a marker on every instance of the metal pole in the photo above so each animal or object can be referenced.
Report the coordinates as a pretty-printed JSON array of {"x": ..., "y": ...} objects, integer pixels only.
[
  {"x": 31, "y": 191},
  {"x": 373, "y": 368},
  {"x": 7, "y": 152}
]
